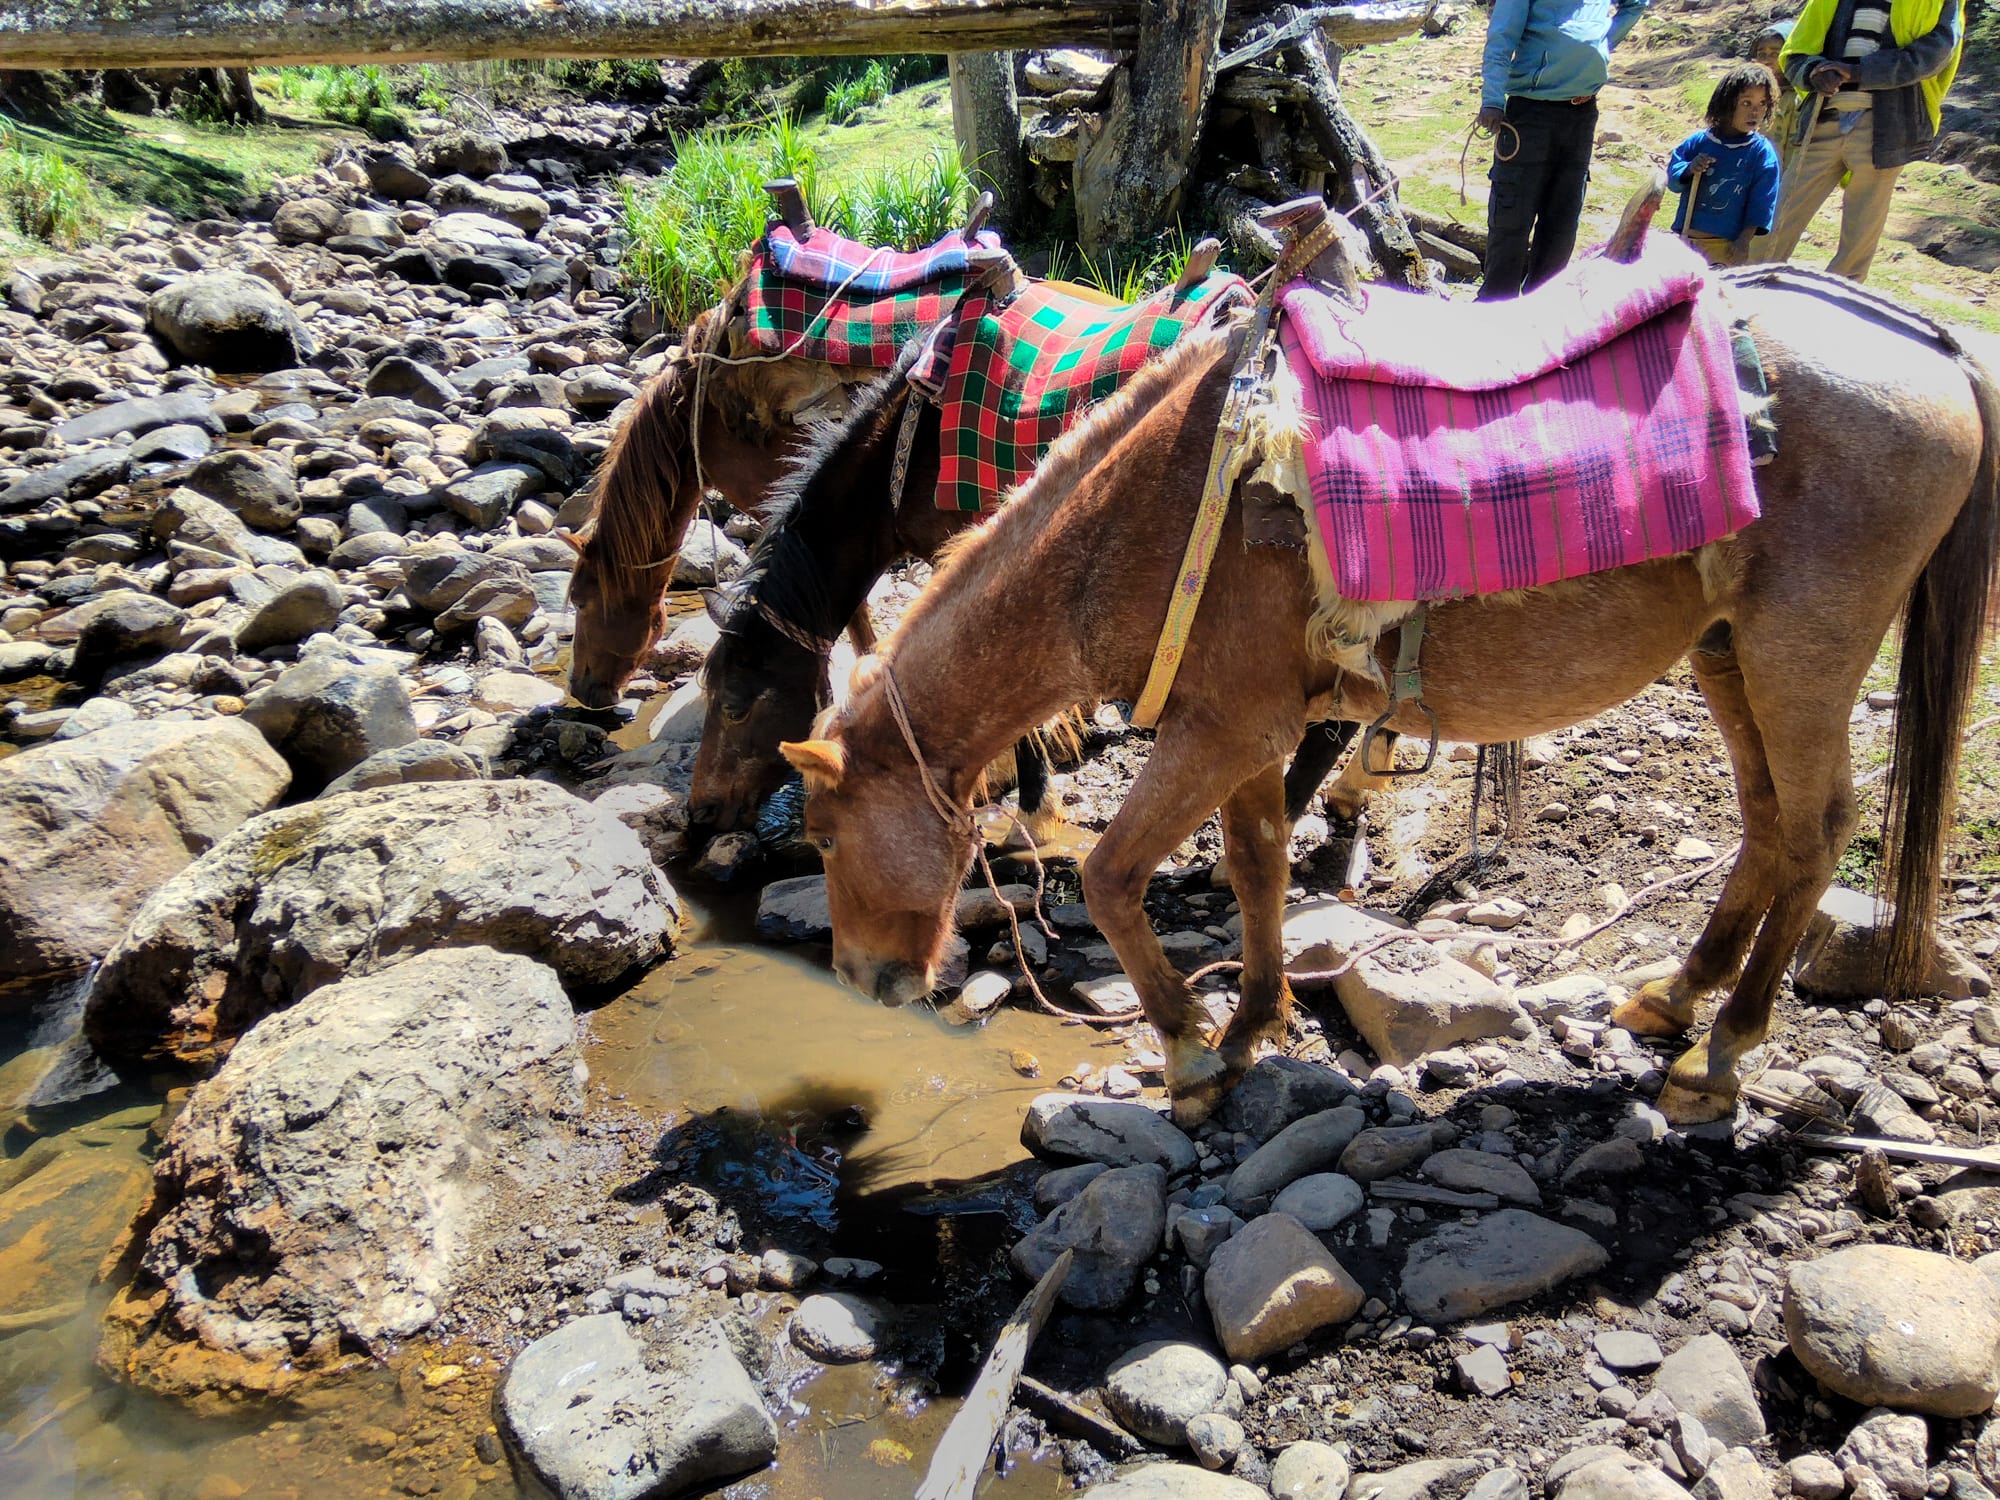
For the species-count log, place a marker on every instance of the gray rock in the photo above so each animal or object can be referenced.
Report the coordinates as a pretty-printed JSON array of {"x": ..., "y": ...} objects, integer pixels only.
[
  {"x": 1115, "y": 1226},
  {"x": 1617, "y": 1479},
  {"x": 1386, "y": 1150},
  {"x": 1617, "y": 1157},
  {"x": 1157, "y": 1388},
  {"x": 391, "y": 175},
  {"x": 362, "y": 1134},
  {"x": 438, "y": 580},
  {"x": 1321, "y": 1201},
  {"x": 306, "y": 606},
  {"x": 462, "y": 151},
  {"x": 1056, "y": 1187},
  {"x": 230, "y": 321},
  {"x": 1429, "y": 1479},
  {"x": 1815, "y": 1477},
  {"x": 95, "y": 714},
  {"x": 298, "y": 898},
  {"x": 708, "y": 557},
  {"x": 1157, "y": 1481},
  {"x": 92, "y": 826},
  {"x": 305, "y": 221},
  {"x": 1706, "y": 1379},
  {"x": 191, "y": 518},
  {"x": 1483, "y": 1172},
  {"x": 400, "y": 376},
  {"x": 596, "y": 390},
  {"x": 1462, "y": 1271},
  {"x": 1627, "y": 1349},
  {"x": 1840, "y": 956},
  {"x": 1080, "y": 1127},
  {"x": 1889, "y": 1326},
  {"x": 141, "y": 414},
  {"x": 601, "y": 1417},
  {"x": 1277, "y": 1090},
  {"x": 1484, "y": 1370},
  {"x": 1405, "y": 1002},
  {"x": 19, "y": 659},
  {"x": 1735, "y": 1475},
  {"x": 256, "y": 486},
  {"x": 1309, "y": 1471},
  {"x": 1274, "y": 1284},
  {"x": 1501, "y": 1484},
  {"x": 794, "y": 911},
  {"x": 527, "y": 212},
  {"x": 1216, "y": 1439},
  {"x": 118, "y": 627},
  {"x": 329, "y": 713},
  {"x": 1891, "y": 1446},
  {"x": 838, "y": 1327},
  {"x": 167, "y": 447},
  {"x": 420, "y": 760},
  {"x": 77, "y": 477},
  {"x": 1304, "y": 1148}
]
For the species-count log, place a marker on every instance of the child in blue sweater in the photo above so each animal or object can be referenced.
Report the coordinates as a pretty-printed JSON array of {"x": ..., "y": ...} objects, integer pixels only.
[{"x": 1737, "y": 195}]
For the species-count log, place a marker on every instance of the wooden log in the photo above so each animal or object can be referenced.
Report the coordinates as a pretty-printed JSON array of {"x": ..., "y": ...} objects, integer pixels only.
[
  {"x": 963, "y": 1450},
  {"x": 986, "y": 119},
  {"x": 1468, "y": 237},
  {"x": 1132, "y": 170},
  {"x": 233, "y": 33}
]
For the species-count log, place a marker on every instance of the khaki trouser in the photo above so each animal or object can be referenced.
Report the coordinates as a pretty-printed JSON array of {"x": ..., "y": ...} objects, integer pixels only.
[
  {"x": 1715, "y": 249},
  {"x": 1814, "y": 171}
]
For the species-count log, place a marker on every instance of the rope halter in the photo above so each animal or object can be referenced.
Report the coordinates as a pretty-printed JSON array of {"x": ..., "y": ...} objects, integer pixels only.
[{"x": 958, "y": 819}]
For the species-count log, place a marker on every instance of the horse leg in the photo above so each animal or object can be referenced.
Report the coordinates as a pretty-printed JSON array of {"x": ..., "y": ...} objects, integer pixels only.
[
  {"x": 1039, "y": 821},
  {"x": 1259, "y": 869},
  {"x": 1317, "y": 752},
  {"x": 1189, "y": 772},
  {"x": 1666, "y": 1007},
  {"x": 1356, "y": 786},
  {"x": 861, "y": 629},
  {"x": 1805, "y": 744}
]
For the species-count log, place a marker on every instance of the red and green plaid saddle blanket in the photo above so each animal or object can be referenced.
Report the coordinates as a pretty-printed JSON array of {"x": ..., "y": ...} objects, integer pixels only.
[
  {"x": 1023, "y": 369},
  {"x": 837, "y": 301}
]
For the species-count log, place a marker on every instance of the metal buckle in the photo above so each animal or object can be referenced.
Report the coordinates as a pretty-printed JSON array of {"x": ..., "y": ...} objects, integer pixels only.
[{"x": 1368, "y": 740}]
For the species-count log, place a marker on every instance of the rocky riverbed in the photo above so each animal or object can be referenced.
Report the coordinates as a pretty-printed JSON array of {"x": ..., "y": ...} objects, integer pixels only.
[{"x": 459, "y": 1186}]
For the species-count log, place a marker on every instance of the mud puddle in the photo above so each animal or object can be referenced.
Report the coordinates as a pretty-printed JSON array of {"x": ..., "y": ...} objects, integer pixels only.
[{"x": 883, "y": 1136}]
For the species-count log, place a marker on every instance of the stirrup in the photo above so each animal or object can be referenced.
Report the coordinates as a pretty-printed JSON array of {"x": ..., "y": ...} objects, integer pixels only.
[{"x": 1368, "y": 739}]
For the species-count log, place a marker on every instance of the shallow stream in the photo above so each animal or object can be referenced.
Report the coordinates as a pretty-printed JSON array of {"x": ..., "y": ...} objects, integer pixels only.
[{"x": 890, "y": 1133}]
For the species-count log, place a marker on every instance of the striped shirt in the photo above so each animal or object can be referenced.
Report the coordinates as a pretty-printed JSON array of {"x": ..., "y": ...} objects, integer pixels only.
[{"x": 1868, "y": 31}]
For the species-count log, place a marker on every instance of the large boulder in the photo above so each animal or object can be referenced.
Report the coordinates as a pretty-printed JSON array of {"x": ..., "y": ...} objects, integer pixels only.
[
  {"x": 320, "y": 1192},
  {"x": 302, "y": 897},
  {"x": 1466, "y": 1269},
  {"x": 331, "y": 712},
  {"x": 120, "y": 627},
  {"x": 599, "y": 1415},
  {"x": 230, "y": 321},
  {"x": 1843, "y": 954},
  {"x": 257, "y": 486},
  {"x": 90, "y": 827}
]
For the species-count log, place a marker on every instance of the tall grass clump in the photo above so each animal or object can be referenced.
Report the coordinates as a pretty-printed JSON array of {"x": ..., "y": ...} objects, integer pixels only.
[
  {"x": 44, "y": 196},
  {"x": 848, "y": 97},
  {"x": 685, "y": 235},
  {"x": 1128, "y": 274}
]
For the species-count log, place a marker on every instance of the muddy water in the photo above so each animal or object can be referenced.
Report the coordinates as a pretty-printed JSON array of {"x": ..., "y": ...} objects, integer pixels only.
[{"x": 928, "y": 1120}]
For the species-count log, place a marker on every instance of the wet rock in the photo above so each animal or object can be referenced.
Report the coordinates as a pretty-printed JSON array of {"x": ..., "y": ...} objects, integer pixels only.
[
  {"x": 77, "y": 477},
  {"x": 359, "y": 1133},
  {"x": 1483, "y": 1172},
  {"x": 1405, "y": 1000},
  {"x": 1705, "y": 1378},
  {"x": 1157, "y": 1388},
  {"x": 838, "y": 1328},
  {"x": 1321, "y": 1201},
  {"x": 599, "y": 1416},
  {"x": 1304, "y": 1148},
  {"x": 297, "y": 898},
  {"x": 794, "y": 911},
  {"x": 1274, "y": 1284},
  {"x": 1429, "y": 1479},
  {"x": 420, "y": 760},
  {"x": 1463, "y": 1270},
  {"x": 1309, "y": 1471},
  {"x": 307, "y": 605},
  {"x": 90, "y": 827},
  {"x": 232, "y": 322},
  {"x": 1891, "y": 1446},
  {"x": 1278, "y": 1090},
  {"x": 1888, "y": 1326},
  {"x": 1080, "y": 1127},
  {"x": 1840, "y": 956},
  {"x": 1115, "y": 1226},
  {"x": 1158, "y": 1481},
  {"x": 330, "y": 712}
]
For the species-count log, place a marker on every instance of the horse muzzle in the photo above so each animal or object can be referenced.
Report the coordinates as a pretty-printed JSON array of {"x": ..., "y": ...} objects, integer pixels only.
[{"x": 894, "y": 984}]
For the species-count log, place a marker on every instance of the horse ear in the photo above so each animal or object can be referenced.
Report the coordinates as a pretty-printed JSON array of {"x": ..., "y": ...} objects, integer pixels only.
[
  {"x": 720, "y": 604},
  {"x": 564, "y": 534},
  {"x": 821, "y": 762}
]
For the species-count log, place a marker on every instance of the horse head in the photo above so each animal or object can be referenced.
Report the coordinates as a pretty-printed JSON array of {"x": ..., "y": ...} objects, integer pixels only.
[
  {"x": 620, "y": 611},
  {"x": 894, "y": 865},
  {"x": 763, "y": 687}
]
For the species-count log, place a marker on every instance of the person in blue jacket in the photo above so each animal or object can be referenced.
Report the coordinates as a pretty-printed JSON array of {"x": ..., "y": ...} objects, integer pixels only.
[
  {"x": 1545, "y": 61},
  {"x": 1731, "y": 169}
]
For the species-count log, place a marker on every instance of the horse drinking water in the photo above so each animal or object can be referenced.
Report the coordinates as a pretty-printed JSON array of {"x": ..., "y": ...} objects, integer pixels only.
[{"x": 1884, "y": 499}]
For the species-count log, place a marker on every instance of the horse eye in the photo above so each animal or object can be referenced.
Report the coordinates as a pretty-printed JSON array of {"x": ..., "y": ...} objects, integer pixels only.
[
  {"x": 735, "y": 713},
  {"x": 824, "y": 844}
]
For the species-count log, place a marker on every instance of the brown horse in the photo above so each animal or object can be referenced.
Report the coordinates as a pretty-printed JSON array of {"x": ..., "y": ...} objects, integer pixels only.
[{"x": 1885, "y": 497}]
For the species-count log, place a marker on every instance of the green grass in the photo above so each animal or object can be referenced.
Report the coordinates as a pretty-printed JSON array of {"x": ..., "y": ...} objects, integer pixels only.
[
  {"x": 687, "y": 232},
  {"x": 43, "y": 196}
]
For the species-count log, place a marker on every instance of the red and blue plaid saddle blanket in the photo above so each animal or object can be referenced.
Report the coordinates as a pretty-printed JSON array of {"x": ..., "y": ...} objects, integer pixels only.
[
  {"x": 837, "y": 301},
  {"x": 1458, "y": 449},
  {"x": 1017, "y": 372}
]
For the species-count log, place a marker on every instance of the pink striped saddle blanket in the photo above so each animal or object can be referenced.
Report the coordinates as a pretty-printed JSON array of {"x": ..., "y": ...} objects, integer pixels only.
[{"x": 1458, "y": 449}]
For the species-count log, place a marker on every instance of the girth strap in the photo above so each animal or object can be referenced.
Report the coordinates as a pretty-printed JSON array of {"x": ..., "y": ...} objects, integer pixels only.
[{"x": 1406, "y": 685}]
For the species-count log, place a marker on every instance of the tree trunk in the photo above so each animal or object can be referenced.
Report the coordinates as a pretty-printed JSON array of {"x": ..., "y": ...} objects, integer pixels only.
[
  {"x": 1362, "y": 176},
  {"x": 224, "y": 33},
  {"x": 1130, "y": 173},
  {"x": 986, "y": 119}
]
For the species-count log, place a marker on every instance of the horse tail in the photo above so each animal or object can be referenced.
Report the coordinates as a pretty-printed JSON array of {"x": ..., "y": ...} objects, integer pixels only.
[{"x": 1944, "y": 622}]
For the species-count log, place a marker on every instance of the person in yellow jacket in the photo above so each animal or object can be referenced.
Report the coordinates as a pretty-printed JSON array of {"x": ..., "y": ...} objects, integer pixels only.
[{"x": 1872, "y": 76}]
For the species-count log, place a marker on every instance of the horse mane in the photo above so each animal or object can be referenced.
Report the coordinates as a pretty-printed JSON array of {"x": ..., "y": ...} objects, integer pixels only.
[
  {"x": 784, "y": 569},
  {"x": 634, "y": 523},
  {"x": 1033, "y": 505}
]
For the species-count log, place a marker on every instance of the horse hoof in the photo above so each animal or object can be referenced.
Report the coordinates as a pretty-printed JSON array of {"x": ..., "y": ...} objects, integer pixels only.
[
  {"x": 1649, "y": 1013},
  {"x": 1696, "y": 1106},
  {"x": 1196, "y": 1080},
  {"x": 1043, "y": 825},
  {"x": 1198, "y": 1101}
]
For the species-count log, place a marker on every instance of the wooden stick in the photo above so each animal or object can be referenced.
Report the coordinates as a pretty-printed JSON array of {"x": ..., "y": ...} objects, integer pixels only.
[
  {"x": 1944, "y": 1156},
  {"x": 962, "y": 1452}
]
